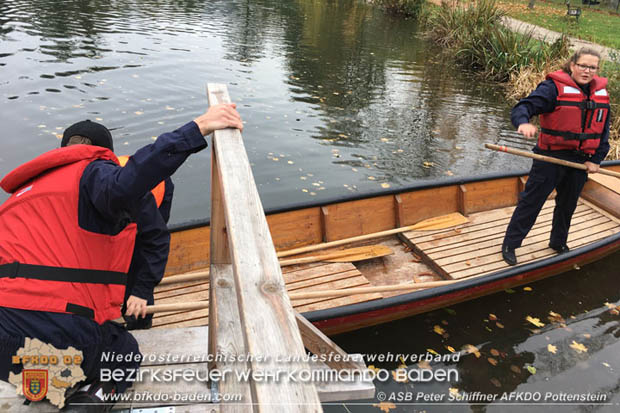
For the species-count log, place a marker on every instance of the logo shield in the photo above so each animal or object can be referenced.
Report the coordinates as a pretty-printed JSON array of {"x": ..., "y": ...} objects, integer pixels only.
[{"x": 34, "y": 384}]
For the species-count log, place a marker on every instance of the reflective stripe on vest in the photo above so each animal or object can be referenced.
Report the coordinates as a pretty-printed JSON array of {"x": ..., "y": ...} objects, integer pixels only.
[
  {"x": 578, "y": 121},
  {"x": 158, "y": 192}
]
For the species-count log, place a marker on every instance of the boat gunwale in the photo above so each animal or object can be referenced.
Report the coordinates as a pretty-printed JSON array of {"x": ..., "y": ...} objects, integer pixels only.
[{"x": 419, "y": 185}]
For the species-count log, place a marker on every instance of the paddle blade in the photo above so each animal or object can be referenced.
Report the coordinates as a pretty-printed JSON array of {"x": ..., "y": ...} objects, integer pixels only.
[
  {"x": 362, "y": 253},
  {"x": 444, "y": 221}
]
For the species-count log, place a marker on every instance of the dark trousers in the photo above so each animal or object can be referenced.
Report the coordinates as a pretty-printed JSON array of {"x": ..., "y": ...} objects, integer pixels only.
[
  {"x": 62, "y": 331},
  {"x": 544, "y": 177}
]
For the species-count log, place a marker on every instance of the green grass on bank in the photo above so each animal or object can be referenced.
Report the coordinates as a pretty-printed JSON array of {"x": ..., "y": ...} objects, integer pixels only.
[{"x": 595, "y": 24}]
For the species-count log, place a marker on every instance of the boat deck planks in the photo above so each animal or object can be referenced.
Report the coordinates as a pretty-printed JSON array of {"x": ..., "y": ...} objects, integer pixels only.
[
  {"x": 298, "y": 278},
  {"x": 474, "y": 248}
]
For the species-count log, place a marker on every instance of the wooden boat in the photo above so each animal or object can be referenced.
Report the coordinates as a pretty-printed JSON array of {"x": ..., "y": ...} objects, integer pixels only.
[{"x": 468, "y": 253}]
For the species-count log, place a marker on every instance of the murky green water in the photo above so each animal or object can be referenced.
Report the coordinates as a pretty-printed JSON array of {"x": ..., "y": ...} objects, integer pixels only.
[{"x": 338, "y": 99}]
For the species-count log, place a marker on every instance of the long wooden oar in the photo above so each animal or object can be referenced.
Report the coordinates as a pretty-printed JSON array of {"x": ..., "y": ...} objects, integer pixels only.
[
  {"x": 199, "y": 305},
  {"x": 347, "y": 255},
  {"x": 547, "y": 159},
  {"x": 441, "y": 222}
]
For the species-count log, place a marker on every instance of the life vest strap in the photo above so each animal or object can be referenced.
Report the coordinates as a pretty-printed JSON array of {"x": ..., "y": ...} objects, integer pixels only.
[
  {"x": 585, "y": 104},
  {"x": 571, "y": 135},
  {"x": 74, "y": 275},
  {"x": 80, "y": 310}
]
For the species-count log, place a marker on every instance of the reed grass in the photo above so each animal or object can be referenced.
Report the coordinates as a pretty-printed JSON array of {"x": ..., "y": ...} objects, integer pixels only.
[{"x": 473, "y": 33}]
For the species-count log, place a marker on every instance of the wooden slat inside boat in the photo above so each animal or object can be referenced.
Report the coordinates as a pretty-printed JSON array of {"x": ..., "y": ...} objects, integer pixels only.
[{"x": 467, "y": 253}]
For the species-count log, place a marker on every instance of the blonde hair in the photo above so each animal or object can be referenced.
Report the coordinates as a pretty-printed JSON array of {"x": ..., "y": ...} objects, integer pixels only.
[
  {"x": 79, "y": 140},
  {"x": 577, "y": 55}
]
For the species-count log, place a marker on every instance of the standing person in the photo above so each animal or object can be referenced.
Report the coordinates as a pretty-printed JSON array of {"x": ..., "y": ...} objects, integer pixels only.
[
  {"x": 62, "y": 276},
  {"x": 574, "y": 110}
]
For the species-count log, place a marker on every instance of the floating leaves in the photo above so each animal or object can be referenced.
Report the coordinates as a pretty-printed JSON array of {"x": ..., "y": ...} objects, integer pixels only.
[
  {"x": 492, "y": 317},
  {"x": 470, "y": 349},
  {"x": 534, "y": 321},
  {"x": 492, "y": 361},
  {"x": 527, "y": 288},
  {"x": 531, "y": 369},
  {"x": 385, "y": 185},
  {"x": 138, "y": 113},
  {"x": 552, "y": 349},
  {"x": 494, "y": 352},
  {"x": 450, "y": 349},
  {"x": 430, "y": 350},
  {"x": 515, "y": 369},
  {"x": 437, "y": 329},
  {"x": 385, "y": 406},
  {"x": 578, "y": 347},
  {"x": 496, "y": 382},
  {"x": 428, "y": 164}
]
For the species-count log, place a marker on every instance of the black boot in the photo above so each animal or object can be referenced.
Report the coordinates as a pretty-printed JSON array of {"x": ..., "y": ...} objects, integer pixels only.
[
  {"x": 560, "y": 249},
  {"x": 508, "y": 254},
  {"x": 90, "y": 399}
]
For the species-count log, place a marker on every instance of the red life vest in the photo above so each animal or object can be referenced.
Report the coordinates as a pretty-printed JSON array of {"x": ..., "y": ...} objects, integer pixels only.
[
  {"x": 47, "y": 261},
  {"x": 578, "y": 120}
]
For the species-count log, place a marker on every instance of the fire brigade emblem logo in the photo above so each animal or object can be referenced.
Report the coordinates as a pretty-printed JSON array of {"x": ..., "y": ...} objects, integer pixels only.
[{"x": 34, "y": 384}]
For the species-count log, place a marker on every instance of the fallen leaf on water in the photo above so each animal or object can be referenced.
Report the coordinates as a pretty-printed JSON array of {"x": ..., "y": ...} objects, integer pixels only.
[
  {"x": 492, "y": 317},
  {"x": 494, "y": 352},
  {"x": 385, "y": 185},
  {"x": 534, "y": 321},
  {"x": 470, "y": 349},
  {"x": 453, "y": 390},
  {"x": 450, "y": 311},
  {"x": 439, "y": 330},
  {"x": 496, "y": 382},
  {"x": 610, "y": 305},
  {"x": 428, "y": 164},
  {"x": 586, "y": 335},
  {"x": 531, "y": 369},
  {"x": 555, "y": 317},
  {"x": 450, "y": 349},
  {"x": 605, "y": 364},
  {"x": 515, "y": 369},
  {"x": 578, "y": 347},
  {"x": 527, "y": 288},
  {"x": 449, "y": 173},
  {"x": 430, "y": 350},
  {"x": 385, "y": 140},
  {"x": 500, "y": 325},
  {"x": 385, "y": 406},
  {"x": 424, "y": 365},
  {"x": 372, "y": 178},
  {"x": 492, "y": 361},
  {"x": 614, "y": 311},
  {"x": 509, "y": 290},
  {"x": 399, "y": 378},
  {"x": 552, "y": 349},
  {"x": 139, "y": 113}
]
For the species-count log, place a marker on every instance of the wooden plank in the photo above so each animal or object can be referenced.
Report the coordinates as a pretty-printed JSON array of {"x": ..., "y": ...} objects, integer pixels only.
[
  {"x": 229, "y": 341},
  {"x": 539, "y": 232},
  {"x": 321, "y": 345},
  {"x": 189, "y": 250},
  {"x": 609, "y": 182},
  {"x": 399, "y": 211},
  {"x": 365, "y": 216},
  {"x": 601, "y": 197},
  {"x": 295, "y": 229},
  {"x": 462, "y": 200},
  {"x": 325, "y": 236},
  {"x": 489, "y": 255},
  {"x": 464, "y": 234},
  {"x": 487, "y": 195},
  {"x": 428, "y": 203},
  {"x": 450, "y": 244},
  {"x": 536, "y": 251},
  {"x": 267, "y": 319},
  {"x": 318, "y": 283}
]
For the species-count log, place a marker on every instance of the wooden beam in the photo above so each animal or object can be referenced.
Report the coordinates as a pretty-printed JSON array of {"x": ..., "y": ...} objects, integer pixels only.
[
  {"x": 319, "y": 344},
  {"x": 267, "y": 318},
  {"x": 462, "y": 199},
  {"x": 324, "y": 223},
  {"x": 399, "y": 211}
]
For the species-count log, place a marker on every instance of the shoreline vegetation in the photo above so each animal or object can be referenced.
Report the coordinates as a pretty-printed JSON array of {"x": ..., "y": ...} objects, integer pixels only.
[{"x": 471, "y": 33}]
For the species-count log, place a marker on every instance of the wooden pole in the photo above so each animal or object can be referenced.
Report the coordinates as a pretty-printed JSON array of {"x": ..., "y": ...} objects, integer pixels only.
[
  {"x": 198, "y": 305},
  {"x": 547, "y": 159},
  {"x": 441, "y": 222}
]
